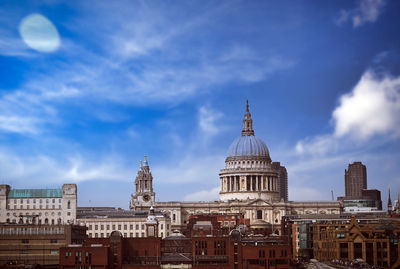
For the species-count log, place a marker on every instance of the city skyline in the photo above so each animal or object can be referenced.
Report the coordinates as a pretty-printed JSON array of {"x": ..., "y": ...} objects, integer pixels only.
[{"x": 88, "y": 89}]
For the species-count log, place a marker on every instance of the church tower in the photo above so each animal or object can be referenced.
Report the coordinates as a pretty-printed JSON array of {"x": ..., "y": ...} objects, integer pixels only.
[{"x": 144, "y": 194}]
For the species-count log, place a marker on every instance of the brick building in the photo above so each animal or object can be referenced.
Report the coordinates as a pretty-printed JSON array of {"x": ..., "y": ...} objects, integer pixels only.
[
  {"x": 204, "y": 245},
  {"x": 377, "y": 243},
  {"x": 28, "y": 244}
]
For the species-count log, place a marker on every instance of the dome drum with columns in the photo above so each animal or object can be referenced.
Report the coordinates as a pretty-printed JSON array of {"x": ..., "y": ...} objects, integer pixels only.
[{"x": 249, "y": 173}]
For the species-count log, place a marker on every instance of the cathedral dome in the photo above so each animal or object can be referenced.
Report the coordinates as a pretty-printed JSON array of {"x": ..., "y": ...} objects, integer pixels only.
[{"x": 248, "y": 146}]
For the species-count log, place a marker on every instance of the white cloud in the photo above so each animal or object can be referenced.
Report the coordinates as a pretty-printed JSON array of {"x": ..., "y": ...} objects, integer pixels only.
[
  {"x": 306, "y": 194},
  {"x": 373, "y": 107},
  {"x": 367, "y": 11},
  {"x": 204, "y": 195},
  {"x": 208, "y": 120},
  {"x": 190, "y": 168},
  {"x": 318, "y": 145},
  {"x": 17, "y": 124},
  {"x": 46, "y": 169}
]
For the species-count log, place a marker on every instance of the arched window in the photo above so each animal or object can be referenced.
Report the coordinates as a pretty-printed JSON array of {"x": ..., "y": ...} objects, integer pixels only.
[
  {"x": 8, "y": 220},
  {"x": 69, "y": 205},
  {"x": 59, "y": 221},
  {"x": 46, "y": 221},
  {"x": 259, "y": 214},
  {"x": 52, "y": 221},
  {"x": 173, "y": 217},
  {"x": 39, "y": 221}
]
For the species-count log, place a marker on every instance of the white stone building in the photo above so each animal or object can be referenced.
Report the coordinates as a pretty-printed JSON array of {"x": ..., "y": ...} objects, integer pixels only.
[
  {"x": 38, "y": 206},
  {"x": 102, "y": 221},
  {"x": 251, "y": 184}
]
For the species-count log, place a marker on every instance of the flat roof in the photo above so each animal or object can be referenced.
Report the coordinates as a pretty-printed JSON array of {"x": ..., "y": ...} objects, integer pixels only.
[{"x": 35, "y": 193}]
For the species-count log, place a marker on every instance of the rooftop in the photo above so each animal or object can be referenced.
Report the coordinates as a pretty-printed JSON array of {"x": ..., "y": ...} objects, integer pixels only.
[{"x": 35, "y": 193}]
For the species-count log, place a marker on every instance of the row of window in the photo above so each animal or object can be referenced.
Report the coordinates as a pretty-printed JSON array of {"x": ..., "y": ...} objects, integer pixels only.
[
  {"x": 34, "y": 207},
  {"x": 27, "y": 201},
  {"x": 101, "y": 235},
  {"x": 33, "y": 221},
  {"x": 52, "y": 251},
  {"x": 113, "y": 227},
  {"x": 27, "y": 206},
  {"x": 36, "y": 214}
]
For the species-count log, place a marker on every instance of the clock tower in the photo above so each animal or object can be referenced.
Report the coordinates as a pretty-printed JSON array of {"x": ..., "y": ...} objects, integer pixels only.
[{"x": 144, "y": 195}]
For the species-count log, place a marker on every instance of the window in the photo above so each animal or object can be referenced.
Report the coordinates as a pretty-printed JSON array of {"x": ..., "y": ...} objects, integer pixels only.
[
  {"x": 173, "y": 217},
  {"x": 68, "y": 213},
  {"x": 162, "y": 226},
  {"x": 167, "y": 226},
  {"x": 130, "y": 234},
  {"x": 108, "y": 226},
  {"x": 96, "y": 227},
  {"x": 25, "y": 241},
  {"x": 259, "y": 214},
  {"x": 142, "y": 226},
  {"x": 25, "y": 251},
  {"x": 102, "y": 227},
  {"x": 125, "y": 227},
  {"x": 54, "y": 251},
  {"x": 54, "y": 200},
  {"x": 131, "y": 226},
  {"x": 90, "y": 226},
  {"x": 53, "y": 241},
  {"x": 124, "y": 234},
  {"x": 69, "y": 205},
  {"x": 137, "y": 234},
  {"x": 137, "y": 226},
  {"x": 113, "y": 226},
  {"x": 102, "y": 235},
  {"x": 119, "y": 226},
  {"x": 142, "y": 234}
]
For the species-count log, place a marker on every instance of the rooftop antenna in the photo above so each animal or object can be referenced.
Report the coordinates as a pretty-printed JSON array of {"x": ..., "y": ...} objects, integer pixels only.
[{"x": 332, "y": 194}]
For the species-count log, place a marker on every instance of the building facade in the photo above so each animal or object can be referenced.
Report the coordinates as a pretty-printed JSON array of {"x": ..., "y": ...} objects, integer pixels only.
[
  {"x": 375, "y": 242},
  {"x": 102, "y": 221},
  {"x": 199, "y": 249},
  {"x": 30, "y": 244},
  {"x": 38, "y": 206},
  {"x": 250, "y": 184},
  {"x": 355, "y": 178}
]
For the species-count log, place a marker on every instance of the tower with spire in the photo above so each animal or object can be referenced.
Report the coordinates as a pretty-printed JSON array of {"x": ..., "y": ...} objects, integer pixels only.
[
  {"x": 389, "y": 204},
  {"x": 144, "y": 194}
]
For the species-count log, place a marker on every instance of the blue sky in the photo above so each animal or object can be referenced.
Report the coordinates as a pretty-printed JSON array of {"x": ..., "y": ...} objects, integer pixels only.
[{"x": 87, "y": 88}]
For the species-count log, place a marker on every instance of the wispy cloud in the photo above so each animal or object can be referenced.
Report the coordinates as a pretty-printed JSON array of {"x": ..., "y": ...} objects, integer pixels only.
[
  {"x": 204, "y": 195},
  {"x": 366, "y": 11},
  {"x": 74, "y": 168}
]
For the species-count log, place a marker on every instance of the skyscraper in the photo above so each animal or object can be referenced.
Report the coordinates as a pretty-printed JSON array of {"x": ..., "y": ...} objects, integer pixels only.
[{"x": 355, "y": 178}]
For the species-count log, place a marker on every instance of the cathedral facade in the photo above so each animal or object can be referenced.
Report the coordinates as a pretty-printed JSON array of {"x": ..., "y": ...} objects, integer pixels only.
[{"x": 250, "y": 184}]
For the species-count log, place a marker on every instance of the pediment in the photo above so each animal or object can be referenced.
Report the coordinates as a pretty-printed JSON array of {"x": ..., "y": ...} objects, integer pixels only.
[{"x": 259, "y": 202}]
